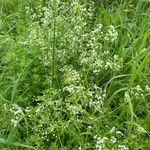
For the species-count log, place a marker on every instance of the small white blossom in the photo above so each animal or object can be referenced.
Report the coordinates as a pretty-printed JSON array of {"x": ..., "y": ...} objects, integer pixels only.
[{"x": 122, "y": 147}]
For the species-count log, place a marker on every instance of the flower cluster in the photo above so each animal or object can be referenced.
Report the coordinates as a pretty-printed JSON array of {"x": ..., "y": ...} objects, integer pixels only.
[
  {"x": 98, "y": 62},
  {"x": 17, "y": 115},
  {"x": 111, "y": 141},
  {"x": 71, "y": 76},
  {"x": 111, "y": 35},
  {"x": 75, "y": 109},
  {"x": 137, "y": 92},
  {"x": 97, "y": 98}
]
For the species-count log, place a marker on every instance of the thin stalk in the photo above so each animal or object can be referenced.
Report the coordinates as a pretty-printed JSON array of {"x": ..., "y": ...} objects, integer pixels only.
[{"x": 54, "y": 45}]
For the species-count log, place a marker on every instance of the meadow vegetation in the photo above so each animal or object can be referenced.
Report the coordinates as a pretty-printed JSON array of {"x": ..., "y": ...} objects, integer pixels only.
[{"x": 75, "y": 75}]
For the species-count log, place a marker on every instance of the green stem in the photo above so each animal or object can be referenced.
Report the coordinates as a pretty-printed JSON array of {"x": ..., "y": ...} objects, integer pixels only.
[{"x": 54, "y": 45}]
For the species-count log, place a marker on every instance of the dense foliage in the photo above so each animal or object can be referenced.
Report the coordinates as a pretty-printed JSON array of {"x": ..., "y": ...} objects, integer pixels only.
[{"x": 74, "y": 74}]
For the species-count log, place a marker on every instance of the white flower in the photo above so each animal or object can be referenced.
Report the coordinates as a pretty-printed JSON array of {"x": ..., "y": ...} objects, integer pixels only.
[
  {"x": 119, "y": 133},
  {"x": 138, "y": 88},
  {"x": 122, "y": 147},
  {"x": 112, "y": 34},
  {"x": 75, "y": 109},
  {"x": 14, "y": 122},
  {"x": 100, "y": 26},
  {"x": 147, "y": 88},
  {"x": 113, "y": 139},
  {"x": 113, "y": 130}
]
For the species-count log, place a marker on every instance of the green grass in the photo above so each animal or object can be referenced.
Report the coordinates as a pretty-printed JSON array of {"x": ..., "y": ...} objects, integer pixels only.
[{"x": 74, "y": 75}]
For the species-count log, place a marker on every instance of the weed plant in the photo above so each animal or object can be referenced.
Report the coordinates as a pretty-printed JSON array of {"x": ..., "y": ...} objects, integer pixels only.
[{"x": 74, "y": 75}]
